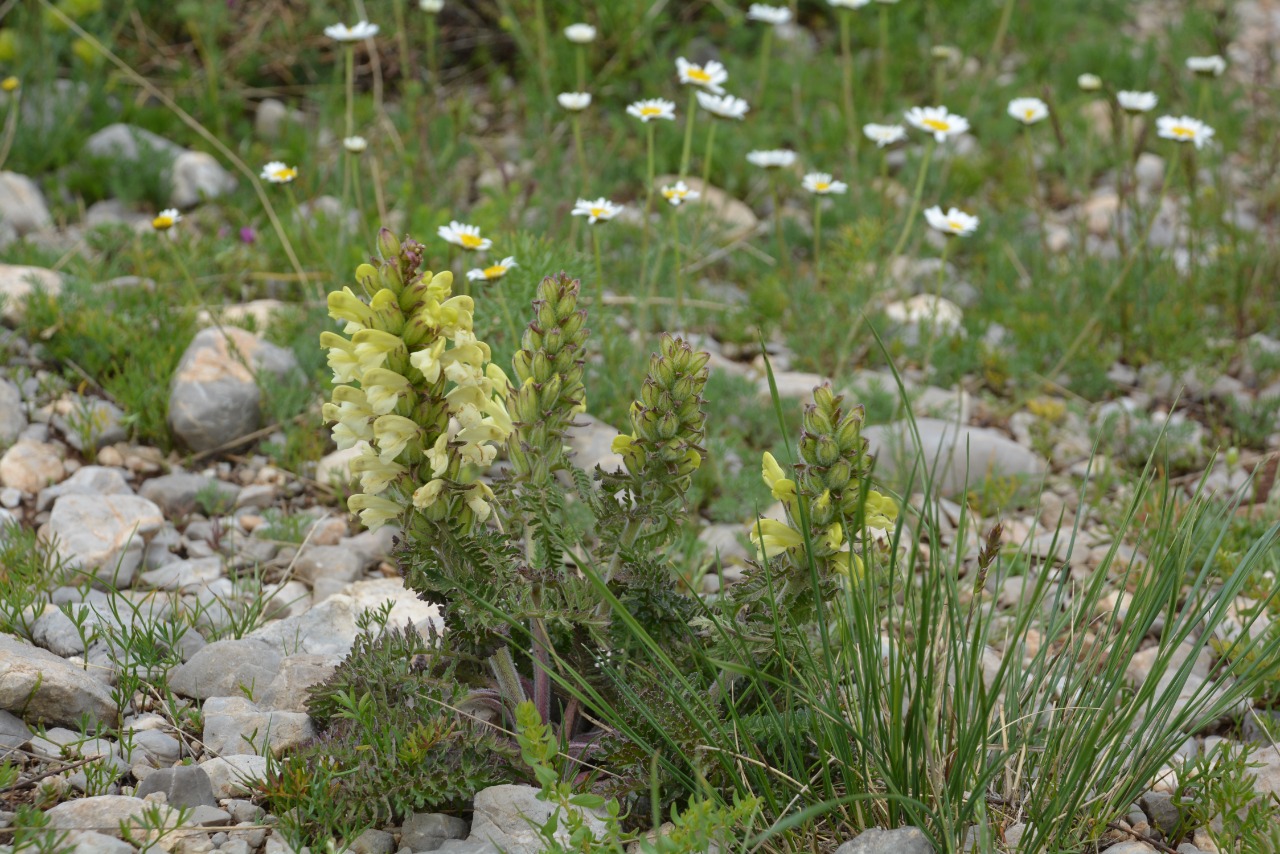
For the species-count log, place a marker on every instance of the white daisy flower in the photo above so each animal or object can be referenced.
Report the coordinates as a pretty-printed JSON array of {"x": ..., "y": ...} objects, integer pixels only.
[
  {"x": 849, "y": 4},
  {"x": 466, "y": 236},
  {"x": 493, "y": 272},
  {"x": 601, "y": 210},
  {"x": 355, "y": 144},
  {"x": 678, "y": 193},
  {"x": 574, "y": 101},
  {"x": 1137, "y": 102},
  {"x": 709, "y": 76},
  {"x": 954, "y": 221},
  {"x": 1089, "y": 82},
  {"x": 1184, "y": 129},
  {"x": 166, "y": 219},
  {"x": 343, "y": 33},
  {"x": 884, "y": 135},
  {"x": 822, "y": 184},
  {"x": 774, "y": 15},
  {"x": 278, "y": 173},
  {"x": 431, "y": 7},
  {"x": 580, "y": 33},
  {"x": 946, "y": 53},
  {"x": 1028, "y": 110},
  {"x": 724, "y": 106},
  {"x": 938, "y": 121},
  {"x": 778, "y": 158},
  {"x": 652, "y": 108},
  {"x": 1207, "y": 66}
]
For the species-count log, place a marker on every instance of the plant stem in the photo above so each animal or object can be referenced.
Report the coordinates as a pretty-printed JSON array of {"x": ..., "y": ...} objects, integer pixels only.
[
  {"x": 915, "y": 201},
  {"x": 595, "y": 244},
  {"x": 817, "y": 240},
  {"x": 783, "y": 257},
  {"x": 582, "y": 155},
  {"x": 1035, "y": 188},
  {"x": 402, "y": 38},
  {"x": 766, "y": 48},
  {"x": 706, "y": 159},
  {"x": 351, "y": 88},
  {"x": 675, "y": 243},
  {"x": 846, "y": 58},
  {"x": 506, "y": 675},
  {"x": 687, "y": 151},
  {"x": 580, "y": 58},
  {"x": 882, "y": 71},
  {"x": 540, "y": 25},
  {"x": 433, "y": 62},
  {"x": 648, "y": 202},
  {"x": 937, "y": 297}
]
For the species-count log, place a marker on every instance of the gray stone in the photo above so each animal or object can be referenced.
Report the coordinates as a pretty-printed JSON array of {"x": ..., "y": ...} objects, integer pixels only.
[
  {"x": 56, "y": 632},
  {"x": 104, "y": 535},
  {"x": 207, "y": 816},
  {"x": 327, "y": 210},
  {"x": 504, "y": 816},
  {"x": 1132, "y": 846},
  {"x": 90, "y": 423},
  {"x": 14, "y": 734},
  {"x": 42, "y": 687},
  {"x": 221, "y": 668},
  {"x": 22, "y": 204},
  {"x": 467, "y": 846},
  {"x": 590, "y": 442},
  {"x": 234, "y": 775},
  {"x": 86, "y": 480},
  {"x": 956, "y": 457},
  {"x": 1162, "y": 811},
  {"x": 12, "y": 419},
  {"x": 425, "y": 831},
  {"x": 125, "y": 142},
  {"x": 184, "y": 574},
  {"x": 235, "y": 725},
  {"x": 176, "y": 493},
  {"x": 104, "y": 813},
  {"x": 183, "y": 786},
  {"x": 258, "y": 495},
  {"x": 269, "y": 118},
  {"x": 335, "y": 562},
  {"x": 30, "y": 466},
  {"x": 373, "y": 841},
  {"x": 157, "y": 748},
  {"x": 333, "y": 469},
  {"x": 17, "y": 283},
  {"x": 197, "y": 177},
  {"x": 215, "y": 398},
  {"x": 91, "y": 842},
  {"x": 288, "y": 691},
  {"x": 902, "y": 840},
  {"x": 330, "y": 627}
]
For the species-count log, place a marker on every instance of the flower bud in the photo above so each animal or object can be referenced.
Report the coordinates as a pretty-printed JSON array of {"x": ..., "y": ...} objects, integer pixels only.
[{"x": 388, "y": 245}]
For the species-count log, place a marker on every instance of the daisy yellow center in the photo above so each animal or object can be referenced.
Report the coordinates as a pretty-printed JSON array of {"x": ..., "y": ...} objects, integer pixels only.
[
  {"x": 162, "y": 222},
  {"x": 1029, "y": 113},
  {"x": 598, "y": 212},
  {"x": 697, "y": 75},
  {"x": 650, "y": 111},
  {"x": 822, "y": 186},
  {"x": 285, "y": 174},
  {"x": 955, "y": 225},
  {"x": 936, "y": 124},
  {"x": 497, "y": 271},
  {"x": 469, "y": 241},
  {"x": 1183, "y": 132}
]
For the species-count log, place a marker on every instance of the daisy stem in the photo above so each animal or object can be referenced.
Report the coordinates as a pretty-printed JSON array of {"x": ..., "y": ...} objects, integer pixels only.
[
  {"x": 937, "y": 297},
  {"x": 688, "y": 133},
  {"x": 846, "y": 58},
  {"x": 884, "y": 183},
  {"x": 675, "y": 244},
  {"x": 1035, "y": 187},
  {"x": 882, "y": 70},
  {"x": 540, "y": 27},
  {"x": 10, "y": 125},
  {"x": 595, "y": 244},
  {"x": 648, "y": 204},
  {"x": 582, "y": 156},
  {"x": 1189, "y": 165},
  {"x": 580, "y": 56},
  {"x": 706, "y": 160},
  {"x": 766, "y": 48},
  {"x": 402, "y": 38},
  {"x": 351, "y": 88},
  {"x": 433, "y": 66},
  {"x": 1126, "y": 178},
  {"x": 817, "y": 239},
  {"x": 355, "y": 173},
  {"x": 190, "y": 281},
  {"x": 783, "y": 257},
  {"x": 915, "y": 200}
]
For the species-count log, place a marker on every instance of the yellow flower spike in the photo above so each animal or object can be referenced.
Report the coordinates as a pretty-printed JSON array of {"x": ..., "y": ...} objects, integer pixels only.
[
  {"x": 772, "y": 538},
  {"x": 373, "y": 346},
  {"x": 383, "y": 389},
  {"x": 427, "y": 494},
  {"x": 438, "y": 455},
  {"x": 780, "y": 486},
  {"x": 847, "y": 564},
  {"x": 341, "y": 356},
  {"x": 393, "y": 434},
  {"x": 834, "y": 538},
  {"x": 375, "y": 473},
  {"x": 478, "y": 498},
  {"x": 345, "y": 305},
  {"x": 386, "y": 312},
  {"x": 881, "y": 511},
  {"x": 374, "y": 511},
  {"x": 427, "y": 360}
]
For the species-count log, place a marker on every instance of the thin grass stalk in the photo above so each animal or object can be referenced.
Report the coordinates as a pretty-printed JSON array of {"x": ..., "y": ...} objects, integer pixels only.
[
  {"x": 575, "y": 121},
  {"x": 766, "y": 48},
  {"x": 402, "y": 38},
  {"x": 916, "y": 195},
  {"x": 882, "y": 58},
  {"x": 937, "y": 295},
  {"x": 687, "y": 151},
  {"x": 846, "y": 79}
]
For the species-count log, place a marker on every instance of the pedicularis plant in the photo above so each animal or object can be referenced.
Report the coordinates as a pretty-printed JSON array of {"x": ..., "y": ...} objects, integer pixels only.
[{"x": 555, "y": 584}]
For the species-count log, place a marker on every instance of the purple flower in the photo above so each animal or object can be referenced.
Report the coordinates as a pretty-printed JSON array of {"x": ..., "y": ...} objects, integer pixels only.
[{"x": 248, "y": 235}]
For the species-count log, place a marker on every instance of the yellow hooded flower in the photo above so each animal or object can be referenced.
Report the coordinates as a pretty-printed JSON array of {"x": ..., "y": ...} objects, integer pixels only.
[
  {"x": 374, "y": 511},
  {"x": 383, "y": 389},
  {"x": 881, "y": 511},
  {"x": 342, "y": 357},
  {"x": 427, "y": 494},
  {"x": 772, "y": 537},
  {"x": 478, "y": 498},
  {"x": 782, "y": 487},
  {"x": 375, "y": 473},
  {"x": 393, "y": 434}
]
